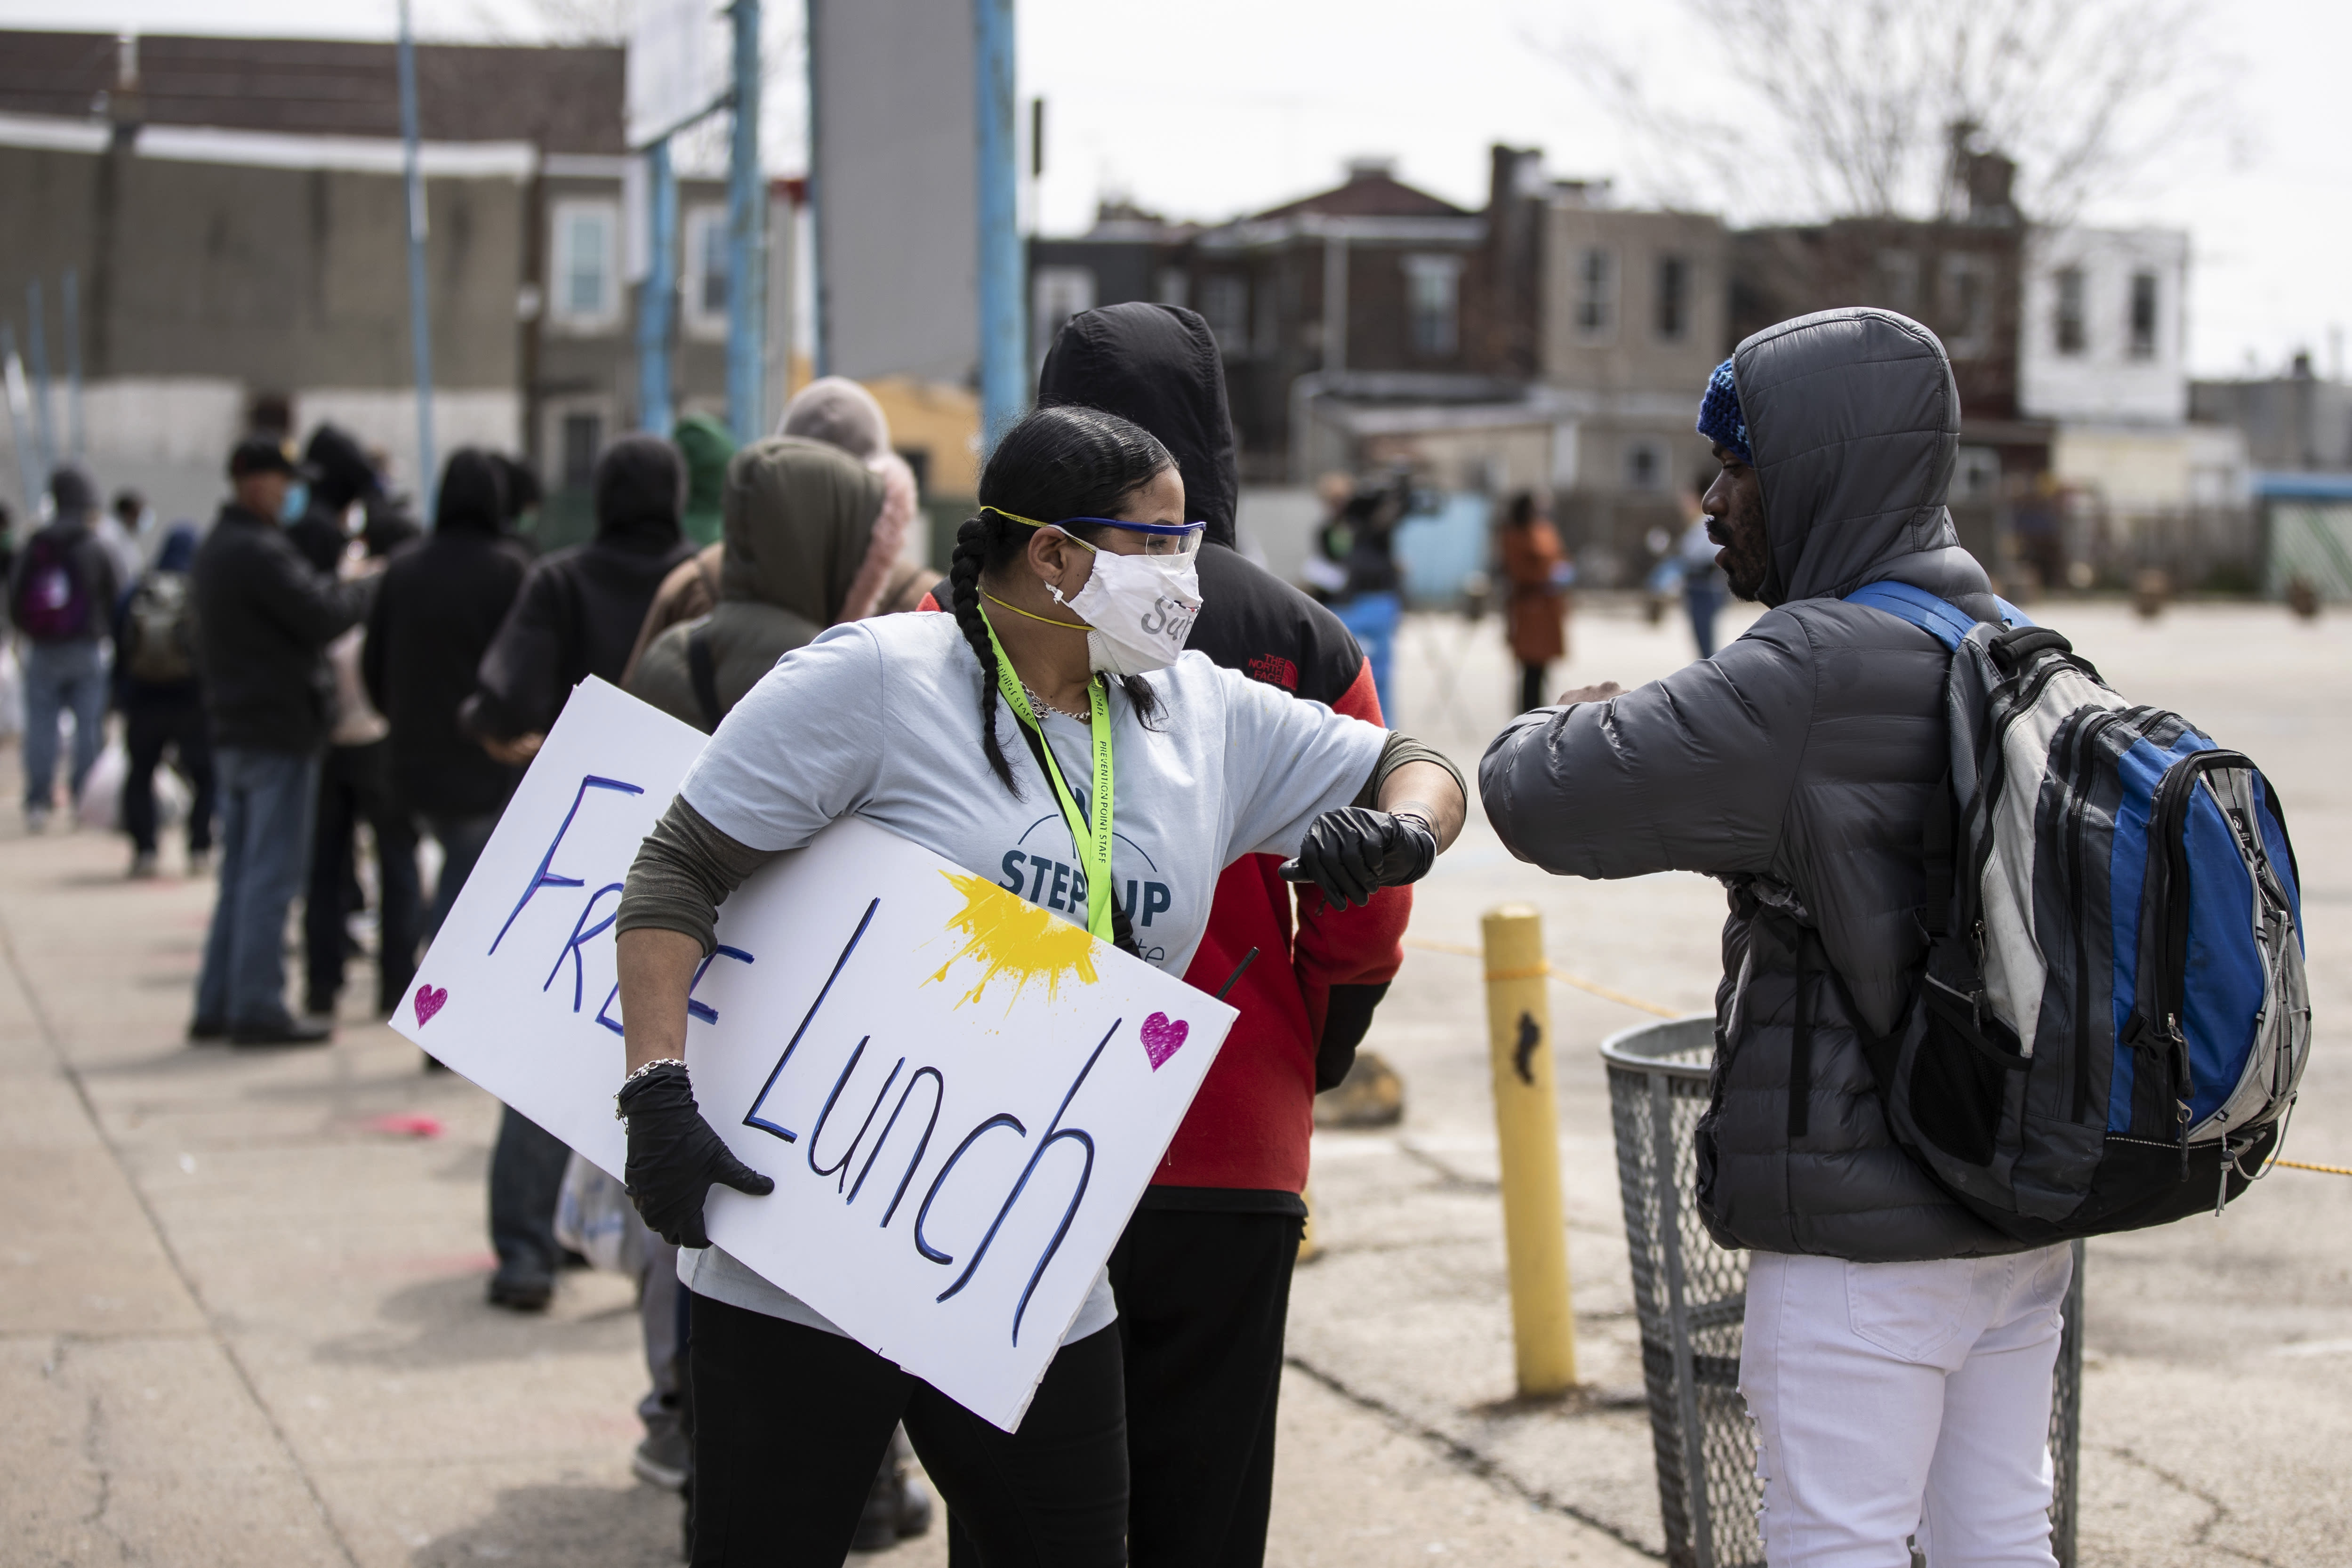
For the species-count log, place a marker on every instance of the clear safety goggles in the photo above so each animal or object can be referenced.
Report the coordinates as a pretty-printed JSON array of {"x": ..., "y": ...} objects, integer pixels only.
[{"x": 1177, "y": 539}]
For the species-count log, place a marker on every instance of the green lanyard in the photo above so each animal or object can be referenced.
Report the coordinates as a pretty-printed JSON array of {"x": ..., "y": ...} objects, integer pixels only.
[{"x": 1092, "y": 842}]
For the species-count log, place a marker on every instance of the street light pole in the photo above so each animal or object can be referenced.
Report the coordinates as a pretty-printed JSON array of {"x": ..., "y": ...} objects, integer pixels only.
[
  {"x": 1004, "y": 362},
  {"x": 747, "y": 269},
  {"x": 658, "y": 302},
  {"x": 420, "y": 320}
]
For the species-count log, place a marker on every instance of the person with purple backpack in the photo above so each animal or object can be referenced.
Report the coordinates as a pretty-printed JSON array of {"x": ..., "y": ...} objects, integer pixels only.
[{"x": 61, "y": 591}]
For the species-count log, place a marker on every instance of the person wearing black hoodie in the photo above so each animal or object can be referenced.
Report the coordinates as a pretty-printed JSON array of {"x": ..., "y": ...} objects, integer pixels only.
[
  {"x": 1203, "y": 1275},
  {"x": 576, "y": 615},
  {"x": 435, "y": 611},
  {"x": 580, "y": 608},
  {"x": 338, "y": 474}
]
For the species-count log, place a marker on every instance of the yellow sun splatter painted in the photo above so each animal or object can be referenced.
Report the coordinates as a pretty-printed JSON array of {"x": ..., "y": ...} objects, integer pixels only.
[{"x": 1007, "y": 935}]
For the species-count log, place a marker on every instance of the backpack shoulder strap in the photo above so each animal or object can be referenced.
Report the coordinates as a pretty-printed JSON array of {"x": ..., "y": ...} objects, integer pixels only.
[{"x": 1939, "y": 618}]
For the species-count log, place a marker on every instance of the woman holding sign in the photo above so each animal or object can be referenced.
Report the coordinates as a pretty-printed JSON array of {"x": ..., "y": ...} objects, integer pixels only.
[{"x": 1060, "y": 677}]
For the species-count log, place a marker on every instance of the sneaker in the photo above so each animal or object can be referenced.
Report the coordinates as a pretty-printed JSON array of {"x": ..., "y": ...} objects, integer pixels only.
[
  {"x": 1371, "y": 1095},
  {"x": 281, "y": 1032},
  {"x": 142, "y": 864},
  {"x": 36, "y": 819},
  {"x": 521, "y": 1292},
  {"x": 878, "y": 1526},
  {"x": 664, "y": 1460},
  {"x": 206, "y": 1031},
  {"x": 200, "y": 862},
  {"x": 914, "y": 1508}
]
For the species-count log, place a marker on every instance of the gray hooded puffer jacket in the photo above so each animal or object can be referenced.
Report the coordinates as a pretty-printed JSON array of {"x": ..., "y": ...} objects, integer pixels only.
[{"x": 1796, "y": 765}]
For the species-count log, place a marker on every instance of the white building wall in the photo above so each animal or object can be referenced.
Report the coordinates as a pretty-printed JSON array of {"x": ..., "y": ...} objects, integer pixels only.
[
  {"x": 2142, "y": 468},
  {"x": 2104, "y": 380},
  {"x": 169, "y": 437}
]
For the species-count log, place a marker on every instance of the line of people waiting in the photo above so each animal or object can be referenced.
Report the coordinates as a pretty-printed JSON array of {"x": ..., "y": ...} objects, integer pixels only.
[{"x": 1154, "y": 1444}]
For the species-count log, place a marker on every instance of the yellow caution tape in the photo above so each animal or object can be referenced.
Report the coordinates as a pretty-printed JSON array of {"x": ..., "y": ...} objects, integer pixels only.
[{"x": 1461, "y": 950}]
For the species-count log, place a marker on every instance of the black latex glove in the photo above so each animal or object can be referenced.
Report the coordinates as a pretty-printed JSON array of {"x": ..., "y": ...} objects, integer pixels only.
[
  {"x": 675, "y": 1156},
  {"x": 1353, "y": 851}
]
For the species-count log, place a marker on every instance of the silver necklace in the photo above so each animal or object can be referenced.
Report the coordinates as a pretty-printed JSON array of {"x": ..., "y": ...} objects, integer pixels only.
[{"x": 1039, "y": 705}]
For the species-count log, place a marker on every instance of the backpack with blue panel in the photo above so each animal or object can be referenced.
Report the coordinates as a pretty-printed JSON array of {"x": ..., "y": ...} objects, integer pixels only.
[{"x": 2113, "y": 1016}]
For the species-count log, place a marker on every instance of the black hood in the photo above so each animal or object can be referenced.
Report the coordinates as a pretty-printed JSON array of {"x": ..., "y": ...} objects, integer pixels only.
[
  {"x": 1157, "y": 365},
  {"x": 341, "y": 467},
  {"x": 640, "y": 488},
  {"x": 473, "y": 497},
  {"x": 71, "y": 492}
]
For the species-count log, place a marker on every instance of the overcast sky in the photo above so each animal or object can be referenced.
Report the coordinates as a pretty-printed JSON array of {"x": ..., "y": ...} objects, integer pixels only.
[{"x": 1211, "y": 108}]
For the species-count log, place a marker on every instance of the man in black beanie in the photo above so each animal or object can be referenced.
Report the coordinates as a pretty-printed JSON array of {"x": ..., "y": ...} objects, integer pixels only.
[{"x": 576, "y": 615}]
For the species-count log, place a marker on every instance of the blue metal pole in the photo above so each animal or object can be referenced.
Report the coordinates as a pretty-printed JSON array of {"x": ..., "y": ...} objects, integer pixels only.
[
  {"x": 820, "y": 324},
  {"x": 747, "y": 249},
  {"x": 36, "y": 344},
  {"x": 420, "y": 319},
  {"x": 73, "y": 363},
  {"x": 1003, "y": 359},
  {"x": 657, "y": 305}
]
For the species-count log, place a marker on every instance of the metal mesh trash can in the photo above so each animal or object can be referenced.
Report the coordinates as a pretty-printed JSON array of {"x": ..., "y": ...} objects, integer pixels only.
[{"x": 1689, "y": 1296}]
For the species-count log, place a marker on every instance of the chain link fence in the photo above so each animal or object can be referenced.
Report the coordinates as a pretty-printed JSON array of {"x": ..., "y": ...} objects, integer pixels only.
[{"x": 1689, "y": 1296}]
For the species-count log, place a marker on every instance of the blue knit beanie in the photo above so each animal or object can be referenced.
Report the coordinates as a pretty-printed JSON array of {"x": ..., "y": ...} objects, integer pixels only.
[{"x": 1719, "y": 419}]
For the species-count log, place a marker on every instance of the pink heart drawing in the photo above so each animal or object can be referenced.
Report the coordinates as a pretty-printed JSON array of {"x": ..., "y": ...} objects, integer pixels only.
[
  {"x": 429, "y": 1002},
  {"x": 1162, "y": 1037}
]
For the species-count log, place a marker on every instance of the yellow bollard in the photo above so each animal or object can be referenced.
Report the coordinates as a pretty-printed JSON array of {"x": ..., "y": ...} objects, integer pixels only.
[{"x": 1526, "y": 1124}]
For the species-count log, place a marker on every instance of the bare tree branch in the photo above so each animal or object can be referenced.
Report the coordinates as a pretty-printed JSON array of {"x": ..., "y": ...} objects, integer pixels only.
[{"x": 1849, "y": 107}]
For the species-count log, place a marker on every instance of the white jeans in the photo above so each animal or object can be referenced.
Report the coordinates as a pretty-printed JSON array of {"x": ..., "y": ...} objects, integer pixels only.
[{"x": 1895, "y": 1398}]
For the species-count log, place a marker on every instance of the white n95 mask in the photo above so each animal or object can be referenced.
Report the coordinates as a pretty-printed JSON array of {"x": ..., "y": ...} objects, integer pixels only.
[{"x": 1138, "y": 609}]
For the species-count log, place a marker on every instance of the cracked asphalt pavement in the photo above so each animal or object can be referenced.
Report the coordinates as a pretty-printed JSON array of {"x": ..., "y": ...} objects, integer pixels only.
[{"x": 241, "y": 1317}]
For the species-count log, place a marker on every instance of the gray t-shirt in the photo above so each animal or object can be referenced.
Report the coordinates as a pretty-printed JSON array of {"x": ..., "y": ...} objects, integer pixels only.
[{"x": 880, "y": 719}]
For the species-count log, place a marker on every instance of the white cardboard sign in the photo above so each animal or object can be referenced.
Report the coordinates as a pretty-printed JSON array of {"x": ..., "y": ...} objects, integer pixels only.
[{"x": 960, "y": 1096}]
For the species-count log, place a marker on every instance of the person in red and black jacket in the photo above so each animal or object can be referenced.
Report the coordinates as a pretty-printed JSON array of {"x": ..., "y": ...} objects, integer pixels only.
[{"x": 1203, "y": 1275}]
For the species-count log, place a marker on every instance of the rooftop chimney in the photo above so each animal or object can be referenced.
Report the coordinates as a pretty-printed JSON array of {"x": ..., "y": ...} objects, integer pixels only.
[{"x": 1370, "y": 167}]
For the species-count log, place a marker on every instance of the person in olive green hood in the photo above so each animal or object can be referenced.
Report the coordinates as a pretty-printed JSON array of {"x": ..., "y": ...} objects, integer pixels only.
[
  {"x": 803, "y": 542},
  {"x": 706, "y": 445}
]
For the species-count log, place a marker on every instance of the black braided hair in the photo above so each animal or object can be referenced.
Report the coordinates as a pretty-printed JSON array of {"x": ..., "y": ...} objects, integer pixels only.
[
  {"x": 1062, "y": 461},
  {"x": 973, "y": 546}
]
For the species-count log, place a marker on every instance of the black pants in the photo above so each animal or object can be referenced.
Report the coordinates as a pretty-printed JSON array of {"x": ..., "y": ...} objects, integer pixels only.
[
  {"x": 790, "y": 1424},
  {"x": 147, "y": 730},
  {"x": 526, "y": 1183},
  {"x": 1531, "y": 687},
  {"x": 355, "y": 786},
  {"x": 1202, "y": 1302}
]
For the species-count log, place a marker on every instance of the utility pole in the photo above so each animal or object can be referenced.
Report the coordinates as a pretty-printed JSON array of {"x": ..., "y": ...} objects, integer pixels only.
[
  {"x": 657, "y": 305},
  {"x": 38, "y": 342},
  {"x": 1003, "y": 358},
  {"x": 747, "y": 267},
  {"x": 74, "y": 433},
  {"x": 420, "y": 320}
]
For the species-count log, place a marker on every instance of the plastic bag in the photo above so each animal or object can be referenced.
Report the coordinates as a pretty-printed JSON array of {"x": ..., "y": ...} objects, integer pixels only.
[
  {"x": 101, "y": 805},
  {"x": 172, "y": 797},
  {"x": 595, "y": 1219},
  {"x": 11, "y": 691}
]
